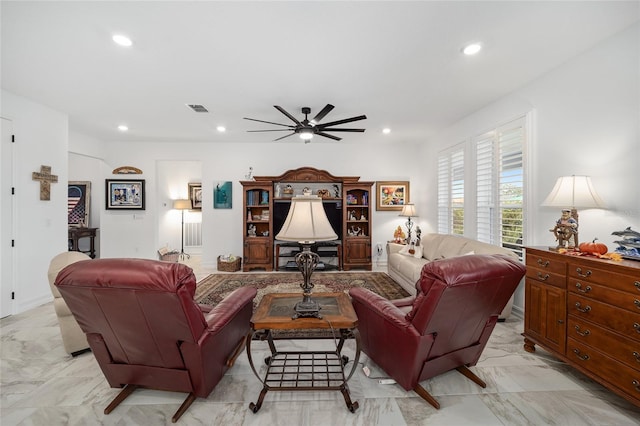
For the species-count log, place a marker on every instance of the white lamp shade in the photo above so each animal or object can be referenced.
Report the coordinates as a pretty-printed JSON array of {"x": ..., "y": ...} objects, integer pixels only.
[
  {"x": 573, "y": 191},
  {"x": 182, "y": 204},
  {"x": 306, "y": 221},
  {"x": 409, "y": 210}
]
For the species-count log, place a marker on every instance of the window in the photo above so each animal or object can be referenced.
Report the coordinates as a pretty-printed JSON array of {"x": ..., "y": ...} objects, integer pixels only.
[
  {"x": 498, "y": 170},
  {"x": 500, "y": 185},
  {"x": 451, "y": 192}
]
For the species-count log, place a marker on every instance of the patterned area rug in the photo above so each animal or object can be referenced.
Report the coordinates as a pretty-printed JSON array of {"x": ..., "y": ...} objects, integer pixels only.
[{"x": 212, "y": 289}]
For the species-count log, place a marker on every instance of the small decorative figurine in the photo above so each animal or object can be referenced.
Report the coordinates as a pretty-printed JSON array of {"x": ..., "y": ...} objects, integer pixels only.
[
  {"x": 565, "y": 230},
  {"x": 252, "y": 231},
  {"x": 278, "y": 190},
  {"x": 399, "y": 235},
  {"x": 336, "y": 191}
]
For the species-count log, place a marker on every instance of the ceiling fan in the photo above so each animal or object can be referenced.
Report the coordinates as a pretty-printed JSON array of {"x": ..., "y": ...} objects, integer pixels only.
[{"x": 308, "y": 128}]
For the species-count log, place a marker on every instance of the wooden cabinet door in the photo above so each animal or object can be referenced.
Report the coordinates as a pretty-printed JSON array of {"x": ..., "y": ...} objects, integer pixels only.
[
  {"x": 357, "y": 253},
  {"x": 257, "y": 253},
  {"x": 546, "y": 314}
]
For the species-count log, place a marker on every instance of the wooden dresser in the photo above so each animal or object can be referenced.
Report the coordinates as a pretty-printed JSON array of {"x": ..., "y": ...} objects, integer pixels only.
[{"x": 586, "y": 312}]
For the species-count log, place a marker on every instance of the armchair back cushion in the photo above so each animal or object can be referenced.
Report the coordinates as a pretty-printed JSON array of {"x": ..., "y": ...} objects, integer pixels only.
[{"x": 145, "y": 328}]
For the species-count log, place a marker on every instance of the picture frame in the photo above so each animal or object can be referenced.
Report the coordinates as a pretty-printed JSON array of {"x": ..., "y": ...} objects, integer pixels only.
[
  {"x": 392, "y": 195},
  {"x": 195, "y": 195},
  {"x": 78, "y": 203},
  {"x": 125, "y": 194},
  {"x": 223, "y": 195}
]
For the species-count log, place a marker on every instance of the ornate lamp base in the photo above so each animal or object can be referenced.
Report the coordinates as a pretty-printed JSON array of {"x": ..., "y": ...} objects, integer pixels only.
[{"x": 307, "y": 262}]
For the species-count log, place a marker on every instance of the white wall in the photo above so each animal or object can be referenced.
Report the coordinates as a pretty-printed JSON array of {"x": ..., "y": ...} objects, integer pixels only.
[
  {"x": 586, "y": 122},
  {"x": 40, "y": 227},
  {"x": 179, "y": 163}
]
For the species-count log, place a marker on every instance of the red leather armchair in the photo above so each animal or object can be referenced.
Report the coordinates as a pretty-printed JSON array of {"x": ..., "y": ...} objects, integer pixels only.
[
  {"x": 446, "y": 325},
  {"x": 145, "y": 329}
]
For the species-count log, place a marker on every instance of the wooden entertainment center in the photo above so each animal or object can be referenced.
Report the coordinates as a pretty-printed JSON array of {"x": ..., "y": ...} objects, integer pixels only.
[
  {"x": 266, "y": 201},
  {"x": 586, "y": 312}
]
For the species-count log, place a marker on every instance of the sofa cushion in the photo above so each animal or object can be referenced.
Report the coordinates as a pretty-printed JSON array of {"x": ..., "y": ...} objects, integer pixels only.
[{"x": 430, "y": 243}]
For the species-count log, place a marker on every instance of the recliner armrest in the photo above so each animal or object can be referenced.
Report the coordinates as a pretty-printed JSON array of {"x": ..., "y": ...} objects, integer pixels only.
[
  {"x": 405, "y": 301},
  {"x": 383, "y": 307},
  {"x": 224, "y": 311}
]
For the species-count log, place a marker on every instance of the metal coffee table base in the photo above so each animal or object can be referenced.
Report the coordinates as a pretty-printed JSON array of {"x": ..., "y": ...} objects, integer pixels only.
[{"x": 305, "y": 371}]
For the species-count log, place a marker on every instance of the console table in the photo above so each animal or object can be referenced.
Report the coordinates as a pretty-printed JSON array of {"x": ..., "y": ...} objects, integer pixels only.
[
  {"x": 305, "y": 370},
  {"x": 327, "y": 249},
  {"x": 586, "y": 312},
  {"x": 76, "y": 233}
]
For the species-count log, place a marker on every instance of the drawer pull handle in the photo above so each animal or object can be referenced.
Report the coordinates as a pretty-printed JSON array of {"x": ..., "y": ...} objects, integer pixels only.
[
  {"x": 636, "y": 355},
  {"x": 637, "y": 303},
  {"x": 543, "y": 277},
  {"x": 582, "y": 333},
  {"x": 585, "y": 275},
  {"x": 581, "y": 309},
  {"x": 582, "y": 357},
  {"x": 637, "y": 284},
  {"x": 587, "y": 289},
  {"x": 636, "y": 384},
  {"x": 636, "y": 326},
  {"x": 546, "y": 263}
]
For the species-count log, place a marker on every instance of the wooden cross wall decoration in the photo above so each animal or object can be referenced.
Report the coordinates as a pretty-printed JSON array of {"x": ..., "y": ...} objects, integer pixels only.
[{"x": 46, "y": 178}]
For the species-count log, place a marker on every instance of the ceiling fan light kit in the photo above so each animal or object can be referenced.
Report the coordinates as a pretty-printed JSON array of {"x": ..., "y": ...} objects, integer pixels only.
[{"x": 306, "y": 128}]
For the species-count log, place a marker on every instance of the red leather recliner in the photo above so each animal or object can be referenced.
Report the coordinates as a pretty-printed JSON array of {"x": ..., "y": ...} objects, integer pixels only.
[
  {"x": 446, "y": 325},
  {"x": 145, "y": 329}
]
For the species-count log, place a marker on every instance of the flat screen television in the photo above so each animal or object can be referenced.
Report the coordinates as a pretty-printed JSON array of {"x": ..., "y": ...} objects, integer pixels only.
[{"x": 333, "y": 209}]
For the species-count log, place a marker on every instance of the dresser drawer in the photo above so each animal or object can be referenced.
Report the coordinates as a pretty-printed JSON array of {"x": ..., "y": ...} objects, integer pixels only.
[
  {"x": 546, "y": 277},
  {"x": 608, "y": 316},
  {"x": 609, "y": 343},
  {"x": 620, "y": 299},
  {"x": 622, "y": 377},
  {"x": 546, "y": 264},
  {"x": 580, "y": 271}
]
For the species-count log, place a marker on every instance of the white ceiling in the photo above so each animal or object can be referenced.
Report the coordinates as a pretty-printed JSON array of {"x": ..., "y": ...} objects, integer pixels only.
[{"x": 397, "y": 62}]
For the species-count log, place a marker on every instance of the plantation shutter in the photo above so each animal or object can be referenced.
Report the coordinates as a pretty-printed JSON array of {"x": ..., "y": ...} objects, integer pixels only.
[
  {"x": 500, "y": 186},
  {"x": 451, "y": 191}
]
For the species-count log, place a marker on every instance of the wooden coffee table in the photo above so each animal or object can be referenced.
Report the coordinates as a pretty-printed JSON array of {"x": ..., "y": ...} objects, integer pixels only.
[{"x": 305, "y": 370}]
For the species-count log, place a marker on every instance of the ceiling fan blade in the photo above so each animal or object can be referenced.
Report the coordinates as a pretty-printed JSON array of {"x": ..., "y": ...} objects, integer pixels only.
[
  {"x": 285, "y": 136},
  {"x": 319, "y": 116},
  {"x": 342, "y": 130},
  {"x": 327, "y": 135},
  {"x": 291, "y": 117},
  {"x": 271, "y": 130},
  {"x": 269, "y": 122},
  {"x": 346, "y": 120}
]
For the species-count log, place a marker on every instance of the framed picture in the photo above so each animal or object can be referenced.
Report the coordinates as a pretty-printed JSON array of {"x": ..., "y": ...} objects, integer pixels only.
[
  {"x": 124, "y": 194},
  {"x": 78, "y": 203},
  {"x": 222, "y": 195},
  {"x": 391, "y": 195},
  {"x": 195, "y": 195}
]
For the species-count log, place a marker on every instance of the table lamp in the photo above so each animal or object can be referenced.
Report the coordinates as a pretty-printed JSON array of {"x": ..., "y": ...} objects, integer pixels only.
[
  {"x": 409, "y": 210},
  {"x": 182, "y": 205},
  {"x": 571, "y": 192},
  {"x": 306, "y": 223}
]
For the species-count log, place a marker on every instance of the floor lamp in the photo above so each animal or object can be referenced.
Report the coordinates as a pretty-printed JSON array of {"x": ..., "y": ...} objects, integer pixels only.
[
  {"x": 182, "y": 205},
  {"x": 306, "y": 223}
]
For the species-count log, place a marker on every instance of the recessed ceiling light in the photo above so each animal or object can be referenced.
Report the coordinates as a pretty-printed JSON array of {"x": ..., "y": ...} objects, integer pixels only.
[
  {"x": 123, "y": 128},
  {"x": 122, "y": 40},
  {"x": 472, "y": 49},
  {"x": 221, "y": 129},
  {"x": 386, "y": 130}
]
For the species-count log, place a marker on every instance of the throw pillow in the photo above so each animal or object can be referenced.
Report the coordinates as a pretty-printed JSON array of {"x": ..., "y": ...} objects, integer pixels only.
[{"x": 418, "y": 252}]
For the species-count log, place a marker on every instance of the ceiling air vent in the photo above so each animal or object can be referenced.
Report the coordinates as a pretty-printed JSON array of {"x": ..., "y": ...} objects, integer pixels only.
[{"x": 198, "y": 108}]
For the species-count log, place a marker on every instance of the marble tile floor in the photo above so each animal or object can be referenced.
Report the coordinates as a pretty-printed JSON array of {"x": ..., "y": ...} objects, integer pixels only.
[{"x": 41, "y": 385}]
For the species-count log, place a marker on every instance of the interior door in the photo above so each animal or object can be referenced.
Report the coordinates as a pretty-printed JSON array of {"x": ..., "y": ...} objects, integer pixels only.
[{"x": 6, "y": 219}]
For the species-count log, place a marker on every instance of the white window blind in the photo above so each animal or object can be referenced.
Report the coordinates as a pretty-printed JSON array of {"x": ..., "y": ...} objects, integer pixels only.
[
  {"x": 451, "y": 191},
  {"x": 500, "y": 185}
]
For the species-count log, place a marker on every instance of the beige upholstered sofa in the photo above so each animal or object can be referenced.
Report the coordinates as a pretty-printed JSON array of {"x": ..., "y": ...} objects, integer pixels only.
[
  {"x": 405, "y": 268},
  {"x": 73, "y": 338}
]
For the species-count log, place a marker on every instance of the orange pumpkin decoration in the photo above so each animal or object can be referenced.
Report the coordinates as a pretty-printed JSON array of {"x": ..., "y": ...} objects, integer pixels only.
[{"x": 597, "y": 249}]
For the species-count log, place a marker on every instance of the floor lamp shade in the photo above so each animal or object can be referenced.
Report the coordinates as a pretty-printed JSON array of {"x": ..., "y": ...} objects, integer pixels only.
[{"x": 182, "y": 204}]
